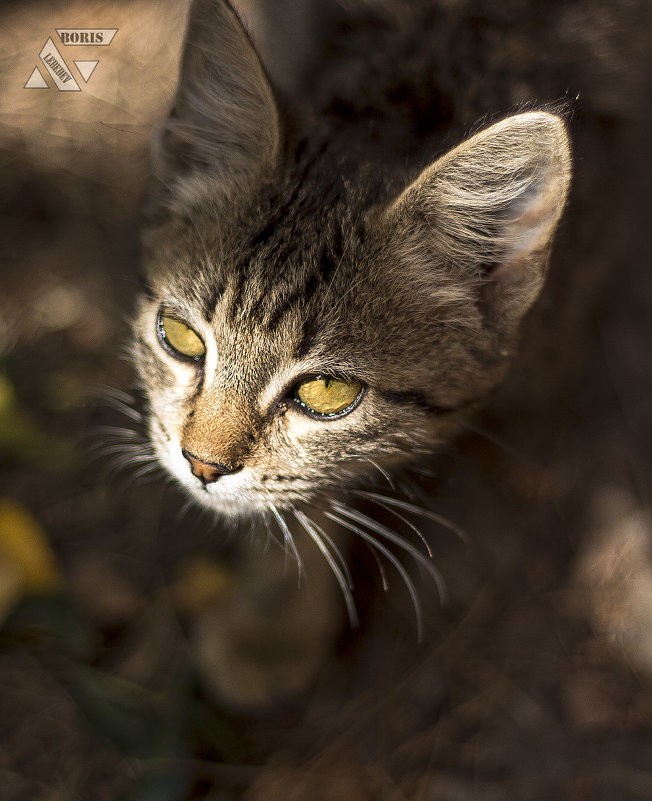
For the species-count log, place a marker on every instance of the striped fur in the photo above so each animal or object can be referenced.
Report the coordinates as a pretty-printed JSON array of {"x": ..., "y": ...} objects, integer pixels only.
[{"x": 284, "y": 241}]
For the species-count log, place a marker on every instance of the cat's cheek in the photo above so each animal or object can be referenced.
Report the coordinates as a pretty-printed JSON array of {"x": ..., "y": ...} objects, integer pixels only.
[
  {"x": 166, "y": 444},
  {"x": 170, "y": 456}
]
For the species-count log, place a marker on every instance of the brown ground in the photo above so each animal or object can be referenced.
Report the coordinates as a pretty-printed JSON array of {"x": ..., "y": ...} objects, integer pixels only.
[{"x": 535, "y": 682}]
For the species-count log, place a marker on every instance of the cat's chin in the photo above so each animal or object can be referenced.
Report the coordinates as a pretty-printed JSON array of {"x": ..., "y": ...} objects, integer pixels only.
[{"x": 231, "y": 504}]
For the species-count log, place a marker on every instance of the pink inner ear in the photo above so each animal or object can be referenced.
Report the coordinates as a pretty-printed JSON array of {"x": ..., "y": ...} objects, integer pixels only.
[{"x": 537, "y": 213}]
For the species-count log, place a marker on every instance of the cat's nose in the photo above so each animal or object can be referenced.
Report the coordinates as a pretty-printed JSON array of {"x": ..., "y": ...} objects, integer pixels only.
[{"x": 207, "y": 472}]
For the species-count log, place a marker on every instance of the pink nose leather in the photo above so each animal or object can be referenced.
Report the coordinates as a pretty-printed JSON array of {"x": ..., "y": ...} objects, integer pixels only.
[{"x": 207, "y": 472}]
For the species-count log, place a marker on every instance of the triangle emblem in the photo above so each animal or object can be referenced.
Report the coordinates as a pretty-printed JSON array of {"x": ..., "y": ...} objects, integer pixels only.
[
  {"x": 36, "y": 80},
  {"x": 86, "y": 68}
]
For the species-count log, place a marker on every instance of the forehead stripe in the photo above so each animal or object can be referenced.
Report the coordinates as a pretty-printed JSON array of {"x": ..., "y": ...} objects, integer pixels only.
[
  {"x": 211, "y": 299},
  {"x": 303, "y": 293}
]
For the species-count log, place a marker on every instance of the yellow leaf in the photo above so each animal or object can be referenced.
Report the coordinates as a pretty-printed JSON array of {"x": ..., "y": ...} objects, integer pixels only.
[
  {"x": 10, "y": 587},
  {"x": 24, "y": 550}
]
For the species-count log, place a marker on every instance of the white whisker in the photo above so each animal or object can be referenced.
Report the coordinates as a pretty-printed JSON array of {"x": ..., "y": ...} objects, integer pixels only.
[
  {"x": 417, "y": 510},
  {"x": 381, "y": 568},
  {"x": 288, "y": 539},
  {"x": 117, "y": 431},
  {"x": 393, "y": 560},
  {"x": 393, "y": 537},
  {"x": 268, "y": 533},
  {"x": 335, "y": 551},
  {"x": 343, "y": 576},
  {"x": 145, "y": 457},
  {"x": 118, "y": 400},
  {"x": 146, "y": 470},
  {"x": 402, "y": 518},
  {"x": 375, "y": 464},
  {"x": 121, "y": 448}
]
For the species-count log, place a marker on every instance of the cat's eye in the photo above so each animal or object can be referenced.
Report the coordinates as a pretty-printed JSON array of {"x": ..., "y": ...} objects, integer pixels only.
[
  {"x": 326, "y": 396},
  {"x": 179, "y": 338}
]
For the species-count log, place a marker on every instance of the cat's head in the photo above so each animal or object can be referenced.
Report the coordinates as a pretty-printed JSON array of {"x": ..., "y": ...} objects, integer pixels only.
[{"x": 306, "y": 321}]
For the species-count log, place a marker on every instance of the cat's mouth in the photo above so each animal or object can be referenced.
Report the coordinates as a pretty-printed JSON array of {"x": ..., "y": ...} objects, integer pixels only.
[
  {"x": 234, "y": 493},
  {"x": 234, "y": 500}
]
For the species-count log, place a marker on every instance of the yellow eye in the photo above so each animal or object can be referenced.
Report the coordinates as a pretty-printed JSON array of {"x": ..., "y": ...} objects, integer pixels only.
[
  {"x": 180, "y": 338},
  {"x": 327, "y": 396}
]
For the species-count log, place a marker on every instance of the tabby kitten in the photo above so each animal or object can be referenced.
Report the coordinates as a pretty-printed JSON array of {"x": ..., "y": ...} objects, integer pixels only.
[{"x": 324, "y": 299}]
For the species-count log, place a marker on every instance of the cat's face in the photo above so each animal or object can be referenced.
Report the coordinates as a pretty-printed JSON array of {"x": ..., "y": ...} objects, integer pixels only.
[
  {"x": 272, "y": 378},
  {"x": 300, "y": 330}
]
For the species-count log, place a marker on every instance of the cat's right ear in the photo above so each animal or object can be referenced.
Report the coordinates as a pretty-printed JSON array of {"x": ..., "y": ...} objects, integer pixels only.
[
  {"x": 483, "y": 216},
  {"x": 223, "y": 131}
]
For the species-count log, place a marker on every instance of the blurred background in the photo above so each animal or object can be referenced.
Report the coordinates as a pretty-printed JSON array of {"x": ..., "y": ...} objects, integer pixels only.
[{"x": 534, "y": 683}]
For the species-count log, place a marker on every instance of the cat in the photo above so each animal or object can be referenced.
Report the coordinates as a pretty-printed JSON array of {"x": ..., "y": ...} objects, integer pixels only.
[{"x": 339, "y": 252}]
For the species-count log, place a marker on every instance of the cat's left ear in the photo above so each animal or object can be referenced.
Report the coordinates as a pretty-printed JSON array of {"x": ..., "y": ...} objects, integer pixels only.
[
  {"x": 486, "y": 212},
  {"x": 223, "y": 131}
]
